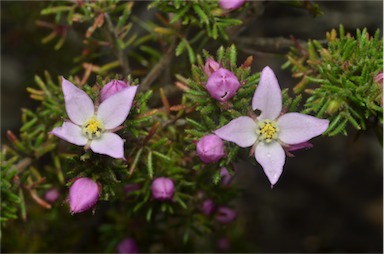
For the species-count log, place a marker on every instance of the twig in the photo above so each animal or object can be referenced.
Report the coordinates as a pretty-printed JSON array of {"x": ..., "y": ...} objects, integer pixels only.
[
  {"x": 159, "y": 67},
  {"x": 254, "y": 9},
  {"x": 120, "y": 54},
  {"x": 269, "y": 45}
]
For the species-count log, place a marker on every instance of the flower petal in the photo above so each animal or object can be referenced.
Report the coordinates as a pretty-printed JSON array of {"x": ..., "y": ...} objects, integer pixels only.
[
  {"x": 272, "y": 158},
  {"x": 241, "y": 131},
  {"x": 109, "y": 144},
  {"x": 267, "y": 97},
  {"x": 297, "y": 128},
  {"x": 114, "y": 110},
  {"x": 71, "y": 133},
  {"x": 77, "y": 103}
]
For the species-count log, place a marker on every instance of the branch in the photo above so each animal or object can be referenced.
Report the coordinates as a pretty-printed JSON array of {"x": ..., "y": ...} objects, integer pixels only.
[
  {"x": 159, "y": 67},
  {"x": 269, "y": 45},
  {"x": 120, "y": 54}
]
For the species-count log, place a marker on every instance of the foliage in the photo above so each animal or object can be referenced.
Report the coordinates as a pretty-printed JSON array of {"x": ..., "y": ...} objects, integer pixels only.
[
  {"x": 342, "y": 75},
  {"x": 166, "y": 120}
]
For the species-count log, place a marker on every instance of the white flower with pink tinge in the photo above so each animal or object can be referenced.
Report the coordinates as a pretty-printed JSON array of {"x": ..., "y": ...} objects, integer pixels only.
[
  {"x": 91, "y": 127},
  {"x": 271, "y": 131}
]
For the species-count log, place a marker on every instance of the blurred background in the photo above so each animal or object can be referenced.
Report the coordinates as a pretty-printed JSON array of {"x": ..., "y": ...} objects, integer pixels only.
[{"x": 333, "y": 205}]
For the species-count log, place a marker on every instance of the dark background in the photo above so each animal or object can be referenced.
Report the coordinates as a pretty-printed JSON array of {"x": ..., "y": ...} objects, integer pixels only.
[{"x": 329, "y": 198}]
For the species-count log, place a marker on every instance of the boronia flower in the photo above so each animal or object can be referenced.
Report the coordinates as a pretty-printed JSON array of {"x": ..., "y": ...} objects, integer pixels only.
[
  {"x": 91, "y": 127},
  {"x": 83, "y": 195},
  {"x": 271, "y": 131}
]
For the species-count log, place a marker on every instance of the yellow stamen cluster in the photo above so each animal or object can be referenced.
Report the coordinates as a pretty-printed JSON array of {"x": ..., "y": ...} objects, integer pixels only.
[
  {"x": 93, "y": 128},
  {"x": 267, "y": 131}
]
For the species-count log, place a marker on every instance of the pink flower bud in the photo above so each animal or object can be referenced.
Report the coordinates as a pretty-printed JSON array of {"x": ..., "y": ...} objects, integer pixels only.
[
  {"x": 208, "y": 207},
  {"x": 225, "y": 215},
  {"x": 224, "y": 244},
  {"x": 83, "y": 195},
  {"x": 127, "y": 245},
  {"x": 52, "y": 195},
  {"x": 162, "y": 188},
  {"x": 304, "y": 145},
  {"x": 114, "y": 86},
  {"x": 210, "y": 148},
  {"x": 211, "y": 66},
  {"x": 379, "y": 78},
  {"x": 222, "y": 85},
  {"x": 128, "y": 188},
  {"x": 225, "y": 176},
  {"x": 231, "y": 5}
]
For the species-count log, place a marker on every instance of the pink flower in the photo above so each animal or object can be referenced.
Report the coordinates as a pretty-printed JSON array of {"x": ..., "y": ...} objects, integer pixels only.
[
  {"x": 231, "y": 4},
  {"x": 162, "y": 188},
  {"x": 379, "y": 78},
  {"x": 225, "y": 214},
  {"x": 210, "y": 148},
  {"x": 225, "y": 176},
  {"x": 128, "y": 245},
  {"x": 208, "y": 206},
  {"x": 94, "y": 128},
  {"x": 52, "y": 195},
  {"x": 270, "y": 132},
  {"x": 83, "y": 195},
  {"x": 114, "y": 86},
  {"x": 222, "y": 85},
  {"x": 211, "y": 66}
]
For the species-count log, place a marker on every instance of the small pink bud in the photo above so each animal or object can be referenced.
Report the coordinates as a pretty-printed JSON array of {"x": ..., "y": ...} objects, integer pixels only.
[
  {"x": 222, "y": 85},
  {"x": 83, "y": 195},
  {"x": 225, "y": 215},
  {"x": 52, "y": 195},
  {"x": 127, "y": 245},
  {"x": 211, "y": 66},
  {"x": 304, "y": 145},
  {"x": 379, "y": 78},
  {"x": 224, "y": 244},
  {"x": 231, "y": 5},
  {"x": 210, "y": 148},
  {"x": 114, "y": 86},
  {"x": 208, "y": 207},
  {"x": 128, "y": 188},
  {"x": 225, "y": 176},
  {"x": 162, "y": 188}
]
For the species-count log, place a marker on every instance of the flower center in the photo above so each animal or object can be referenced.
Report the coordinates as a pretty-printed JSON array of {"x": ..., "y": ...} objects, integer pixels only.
[
  {"x": 267, "y": 130},
  {"x": 93, "y": 128}
]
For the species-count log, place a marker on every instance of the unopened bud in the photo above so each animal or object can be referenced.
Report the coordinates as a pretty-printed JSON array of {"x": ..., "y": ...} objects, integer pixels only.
[
  {"x": 83, "y": 195},
  {"x": 114, "y": 86},
  {"x": 222, "y": 85},
  {"x": 210, "y": 148},
  {"x": 211, "y": 66},
  {"x": 162, "y": 188},
  {"x": 231, "y": 4},
  {"x": 225, "y": 215},
  {"x": 52, "y": 195},
  {"x": 127, "y": 245}
]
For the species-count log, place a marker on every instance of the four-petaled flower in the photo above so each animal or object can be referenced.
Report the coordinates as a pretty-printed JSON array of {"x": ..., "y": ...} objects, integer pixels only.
[
  {"x": 271, "y": 131},
  {"x": 93, "y": 127}
]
